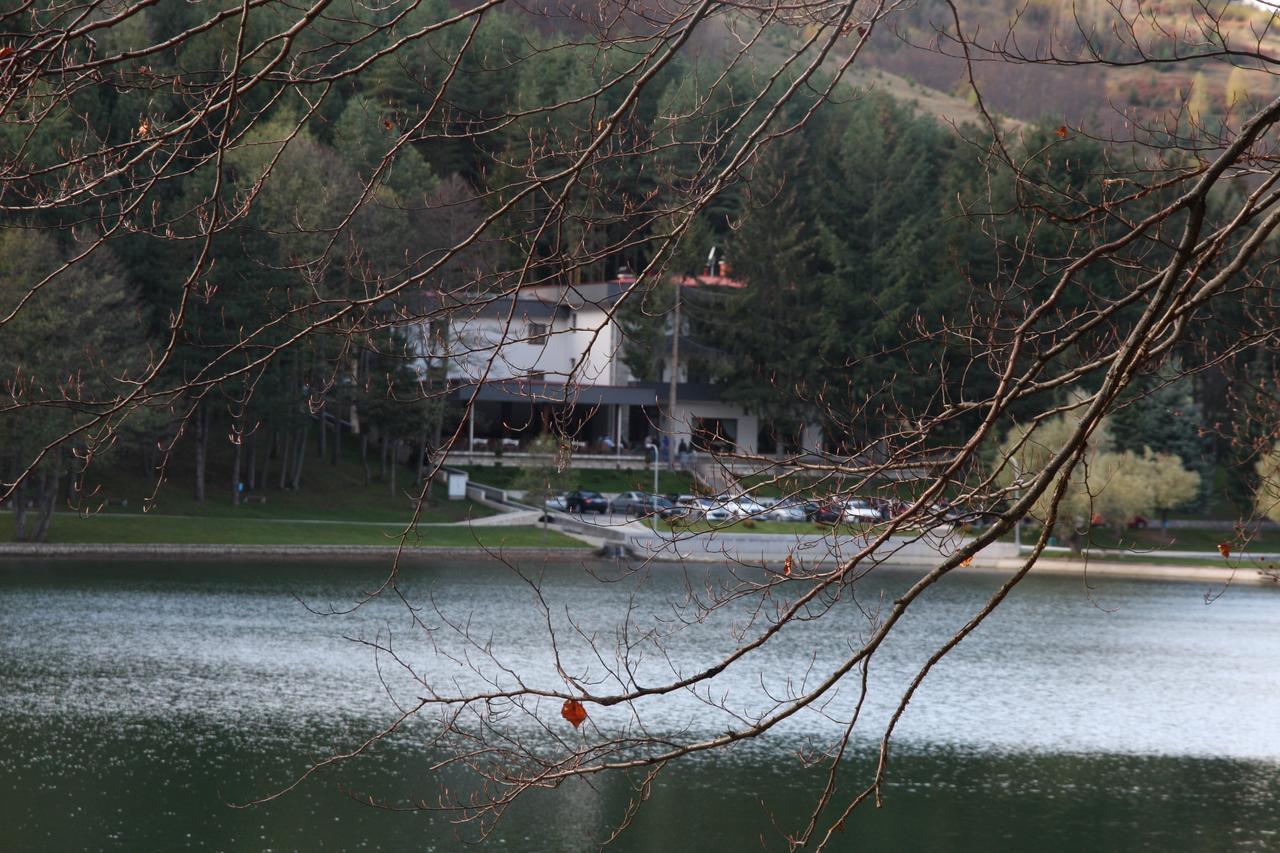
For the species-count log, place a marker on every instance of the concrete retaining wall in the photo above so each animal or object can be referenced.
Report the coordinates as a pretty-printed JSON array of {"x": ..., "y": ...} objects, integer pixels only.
[{"x": 815, "y": 550}]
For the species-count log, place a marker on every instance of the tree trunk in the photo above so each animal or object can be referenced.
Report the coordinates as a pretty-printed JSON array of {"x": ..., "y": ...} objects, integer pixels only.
[
  {"x": 385, "y": 446},
  {"x": 437, "y": 425},
  {"x": 324, "y": 434},
  {"x": 285, "y": 458},
  {"x": 148, "y": 457},
  {"x": 337, "y": 440},
  {"x": 235, "y": 467},
  {"x": 422, "y": 456},
  {"x": 253, "y": 461},
  {"x": 20, "y": 512},
  {"x": 364, "y": 457},
  {"x": 302, "y": 456},
  {"x": 395, "y": 460},
  {"x": 202, "y": 444},
  {"x": 273, "y": 438},
  {"x": 48, "y": 500}
]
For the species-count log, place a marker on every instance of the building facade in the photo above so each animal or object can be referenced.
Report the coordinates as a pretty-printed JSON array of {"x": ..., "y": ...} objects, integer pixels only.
[{"x": 549, "y": 358}]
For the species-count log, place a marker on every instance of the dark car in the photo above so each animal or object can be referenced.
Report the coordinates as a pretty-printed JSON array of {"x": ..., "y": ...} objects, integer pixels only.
[
  {"x": 586, "y": 502},
  {"x": 656, "y": 504},
  {"x": 811, "y": 508},
  {"x": 679, "y": 511},
  {"x": 828, "y": 513}
]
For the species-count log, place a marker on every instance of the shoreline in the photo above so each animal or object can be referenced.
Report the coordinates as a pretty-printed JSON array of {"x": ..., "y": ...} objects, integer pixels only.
[
  {"x": 43, "y": 551},
  {"x": 1220, "y": 576},
  {"x": 1224, "y": 575}
]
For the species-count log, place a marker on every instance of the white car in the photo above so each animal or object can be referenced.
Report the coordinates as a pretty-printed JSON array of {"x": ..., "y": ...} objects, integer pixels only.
[
  {"x": 856, "y": 508},
  {"x": 556, "y": 502},
  {"x": 785, "y": 511},
  {"x": 713, "y": 510},
  {"x": 743, "y": 506}
]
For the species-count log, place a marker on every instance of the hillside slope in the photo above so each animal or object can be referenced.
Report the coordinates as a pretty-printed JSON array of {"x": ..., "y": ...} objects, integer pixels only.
[{"x": 1106, "y": 75}]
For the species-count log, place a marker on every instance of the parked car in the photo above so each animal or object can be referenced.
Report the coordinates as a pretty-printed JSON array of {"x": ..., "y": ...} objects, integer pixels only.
[
  {"x": 656, "y": 504},
  {"x": 684, "y": 512},
  {"x": 629, "y": 503},
  {"x": 856, "y": 509},
  {"x": 829, "y": 513},
  {"x": 644, "y": 505},
  {"x": 584, "y": 502},
  {"x": 811, "y": 508},
  {"x": 742, "y": 506},
  {"x": 558, "y": 502},
  {"x": 786, "y": 510},
  {"x": 713, "y": 510},
  {"x": 849, "y": 511}
]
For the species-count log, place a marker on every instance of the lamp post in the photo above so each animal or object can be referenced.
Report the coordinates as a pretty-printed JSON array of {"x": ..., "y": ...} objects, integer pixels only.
[
  {"x": 653, "y": 519},
  {"x": 1017, "y": 496}
]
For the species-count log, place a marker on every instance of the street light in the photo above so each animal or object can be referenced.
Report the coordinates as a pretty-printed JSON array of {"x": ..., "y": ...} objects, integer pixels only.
[
  {"x": 653, "y": 519},
  {"x": 1017, "y": 496}
]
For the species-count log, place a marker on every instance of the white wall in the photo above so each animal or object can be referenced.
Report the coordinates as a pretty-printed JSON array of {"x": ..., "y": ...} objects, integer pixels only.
[{"x": 587, "y": 340}]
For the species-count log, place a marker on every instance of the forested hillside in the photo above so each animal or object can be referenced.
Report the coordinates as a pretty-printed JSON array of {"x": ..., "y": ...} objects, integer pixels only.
[{"x": 259, "y": 272}]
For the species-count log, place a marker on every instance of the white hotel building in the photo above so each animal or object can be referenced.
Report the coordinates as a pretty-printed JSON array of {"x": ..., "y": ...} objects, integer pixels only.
[{"x": 552, "y": 354}]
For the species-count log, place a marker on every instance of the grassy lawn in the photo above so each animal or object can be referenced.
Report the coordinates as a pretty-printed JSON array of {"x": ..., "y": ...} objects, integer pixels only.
[
  {"x": 150, "y": 529},
  {"x": 1153, "y": 538},
  {"x": 592, "y": 479},
  {"x": 329, "y": 492}
]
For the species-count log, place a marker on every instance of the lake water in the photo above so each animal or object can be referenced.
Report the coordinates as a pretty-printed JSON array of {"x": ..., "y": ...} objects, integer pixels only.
[{"x": 137, "y": 701}]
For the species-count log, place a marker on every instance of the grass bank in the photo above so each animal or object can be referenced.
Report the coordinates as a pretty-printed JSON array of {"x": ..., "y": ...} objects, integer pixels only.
[
  {"x": 328, "y": 491},
  {"x": 1182, "y": 539}
]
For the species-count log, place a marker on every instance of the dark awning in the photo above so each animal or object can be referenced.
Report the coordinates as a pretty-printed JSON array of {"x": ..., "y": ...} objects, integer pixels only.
[
  {"x": 699, "y": 392},
  {"x": 536, "y": 391}
]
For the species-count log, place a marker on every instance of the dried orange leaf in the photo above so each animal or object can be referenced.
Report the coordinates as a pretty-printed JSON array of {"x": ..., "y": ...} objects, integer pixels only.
[
  {"x": 573, "y": 711},
  {"x": 1224, "y": 548},
  {"x": 1061, "y": 132},
  {"x": 786, "y": 566},
  {"x": 5, "y": 52},
  {"x": 967, "y": 561}
]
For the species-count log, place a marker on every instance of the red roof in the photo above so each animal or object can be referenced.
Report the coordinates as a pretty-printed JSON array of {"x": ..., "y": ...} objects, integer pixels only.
[{"x": 710, "y": 281}]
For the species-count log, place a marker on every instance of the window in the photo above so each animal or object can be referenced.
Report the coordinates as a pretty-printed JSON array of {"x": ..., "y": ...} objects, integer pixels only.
[{"x": 537, "y": 333}]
